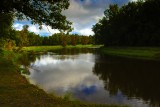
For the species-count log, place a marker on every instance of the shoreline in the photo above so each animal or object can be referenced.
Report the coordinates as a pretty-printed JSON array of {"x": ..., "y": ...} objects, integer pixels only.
[{"x": 16, "y": 89}]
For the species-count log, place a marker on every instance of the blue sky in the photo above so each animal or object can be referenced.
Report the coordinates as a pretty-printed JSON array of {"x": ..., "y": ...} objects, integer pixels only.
[{"x": 83, "y": 13}]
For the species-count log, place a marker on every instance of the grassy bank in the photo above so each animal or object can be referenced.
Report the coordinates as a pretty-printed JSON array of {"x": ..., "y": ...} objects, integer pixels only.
[
  {"x": 134, "y": 52},
  {"x": 16, "y": 91},
  {"x": 47, "y": 48}
]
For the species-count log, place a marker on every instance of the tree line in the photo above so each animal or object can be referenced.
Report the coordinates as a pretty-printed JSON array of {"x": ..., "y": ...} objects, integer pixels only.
[
  {"x": 39, "y": 12},
  {"x": 134, "y": 24},
  {"x": 47, "y": 12},
  {"x": 26, "y": 38}
]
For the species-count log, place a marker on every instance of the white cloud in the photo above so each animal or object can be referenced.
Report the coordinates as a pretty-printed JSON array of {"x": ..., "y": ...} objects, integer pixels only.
[
  {"x": 49, "y": 30},
  {"x": 84, "y": 14},
  {"x": 18, "y": 26},
  {"x": 33, "y": 28},
  {"x": 86, "y": 32},
  {"x": 46, "y": 30}
]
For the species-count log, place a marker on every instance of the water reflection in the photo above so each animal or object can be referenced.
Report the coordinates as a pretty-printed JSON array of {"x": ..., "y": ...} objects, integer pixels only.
[
  {"x": 134, "y": 78},
  {"x": 54, "y": 73},
  {"x": 97, "y": 78}
]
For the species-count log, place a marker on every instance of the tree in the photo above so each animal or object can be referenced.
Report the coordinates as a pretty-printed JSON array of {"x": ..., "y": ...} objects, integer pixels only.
[
  {"x": 64, "y": 39},
  {"x": 111, "y": 12},
  {"x": 98, "y": 29},
  {"x": 34, "y": 39},
  {"x": 7, "y": 34},
  {"x": 46, "y": 12},
  {"x": 74, "y": 39},
  {"x": 45, "y": 41},
  {"x": 56, "y": 39},
  {"x": 7, "y": 44},
  {"x": 134, "y": 24},
  {"x": 23, "y": 36},
  {"x": 40, "y": 12},
  {"x": 84, "y": 40},
  {"x": 6, "y": 20}
]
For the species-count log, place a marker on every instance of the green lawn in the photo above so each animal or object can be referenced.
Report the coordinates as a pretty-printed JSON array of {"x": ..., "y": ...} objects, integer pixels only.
[
  {"x": 16, "y": 91},
  {"x": 134, "y": 52},
  {"x": 47, "y": 48}
]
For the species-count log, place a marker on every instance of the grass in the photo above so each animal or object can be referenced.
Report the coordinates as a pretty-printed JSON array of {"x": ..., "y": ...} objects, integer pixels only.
[
  {"x": 47, "y": 48},
  {"x": 16, "y": 91},
  {"x": 134, "y": 52},
  {"x": 41, "y": 48}
]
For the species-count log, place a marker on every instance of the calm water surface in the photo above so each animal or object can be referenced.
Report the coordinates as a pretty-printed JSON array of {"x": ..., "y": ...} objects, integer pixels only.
[{"x": 92, "y": 77}]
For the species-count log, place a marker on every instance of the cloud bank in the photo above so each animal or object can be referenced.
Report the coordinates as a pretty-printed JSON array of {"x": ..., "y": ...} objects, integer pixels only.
[{"x": 83, "y": 13}]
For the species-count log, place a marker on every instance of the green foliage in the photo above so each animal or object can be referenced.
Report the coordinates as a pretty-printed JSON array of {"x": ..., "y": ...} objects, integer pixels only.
[
  {"x": 38, "y": 11},
  {"x": 7, "y": 44},
  {"x": 34, "y": 39},
  {"x": 46, "y": 12},
  {"x": 84, "y": 40},
  {"x": 22, "y": 37},
  {"x": 25, "y": 38},
  {"x": 134, "y": 24},
  {"x": 66, "y": 39},
  {"x": 2, "y": 43},
  {"x": 6, "y": 20},
  {"x": 74, "y": 40},
  {"x": 68, "y": 97},
  {"x": 10, "y": 44}
]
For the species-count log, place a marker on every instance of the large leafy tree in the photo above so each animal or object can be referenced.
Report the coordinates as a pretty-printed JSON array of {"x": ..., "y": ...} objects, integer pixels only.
[
  {"x": 134, "y": 24},
  {"x": 40, "y": 12}
]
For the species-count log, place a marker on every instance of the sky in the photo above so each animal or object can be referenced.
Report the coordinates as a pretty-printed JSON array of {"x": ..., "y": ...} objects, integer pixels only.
[{"x": 82, "y": 13}]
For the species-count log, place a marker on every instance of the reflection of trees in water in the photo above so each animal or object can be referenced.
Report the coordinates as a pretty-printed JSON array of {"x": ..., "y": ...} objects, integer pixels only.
[
  {"x": 27, "y": 58},
  {"x": 63, "y": 53},
  {"x": 73, "y": 51},
  {"x": 134, "y": 78}
]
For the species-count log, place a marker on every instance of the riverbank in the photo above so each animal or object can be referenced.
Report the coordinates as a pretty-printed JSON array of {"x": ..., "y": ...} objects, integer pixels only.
[
  {"x": 15, "y": 90},
  {"x": 151, "y": 53},
  {"x": 48, "y": 48}
]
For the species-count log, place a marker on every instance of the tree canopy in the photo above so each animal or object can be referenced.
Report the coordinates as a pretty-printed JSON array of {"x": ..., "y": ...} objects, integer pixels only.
[{"x": 40, "y": 12}]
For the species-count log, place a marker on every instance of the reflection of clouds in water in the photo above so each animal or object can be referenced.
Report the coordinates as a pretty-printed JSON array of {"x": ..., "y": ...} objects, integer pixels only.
[
  {"x": 66, "y": 73},
  {"x": 53, "y": 59},
  {"x": 73, "y": 73},
  {"x": 103, "y": 96}
]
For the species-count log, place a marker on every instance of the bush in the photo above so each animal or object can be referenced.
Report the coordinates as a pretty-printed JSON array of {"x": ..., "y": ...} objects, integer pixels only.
[{"x": 7, "y": 44}]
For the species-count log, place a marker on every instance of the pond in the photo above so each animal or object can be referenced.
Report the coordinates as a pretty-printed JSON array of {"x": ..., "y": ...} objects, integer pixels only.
[{"x": 93, "y": 77}]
